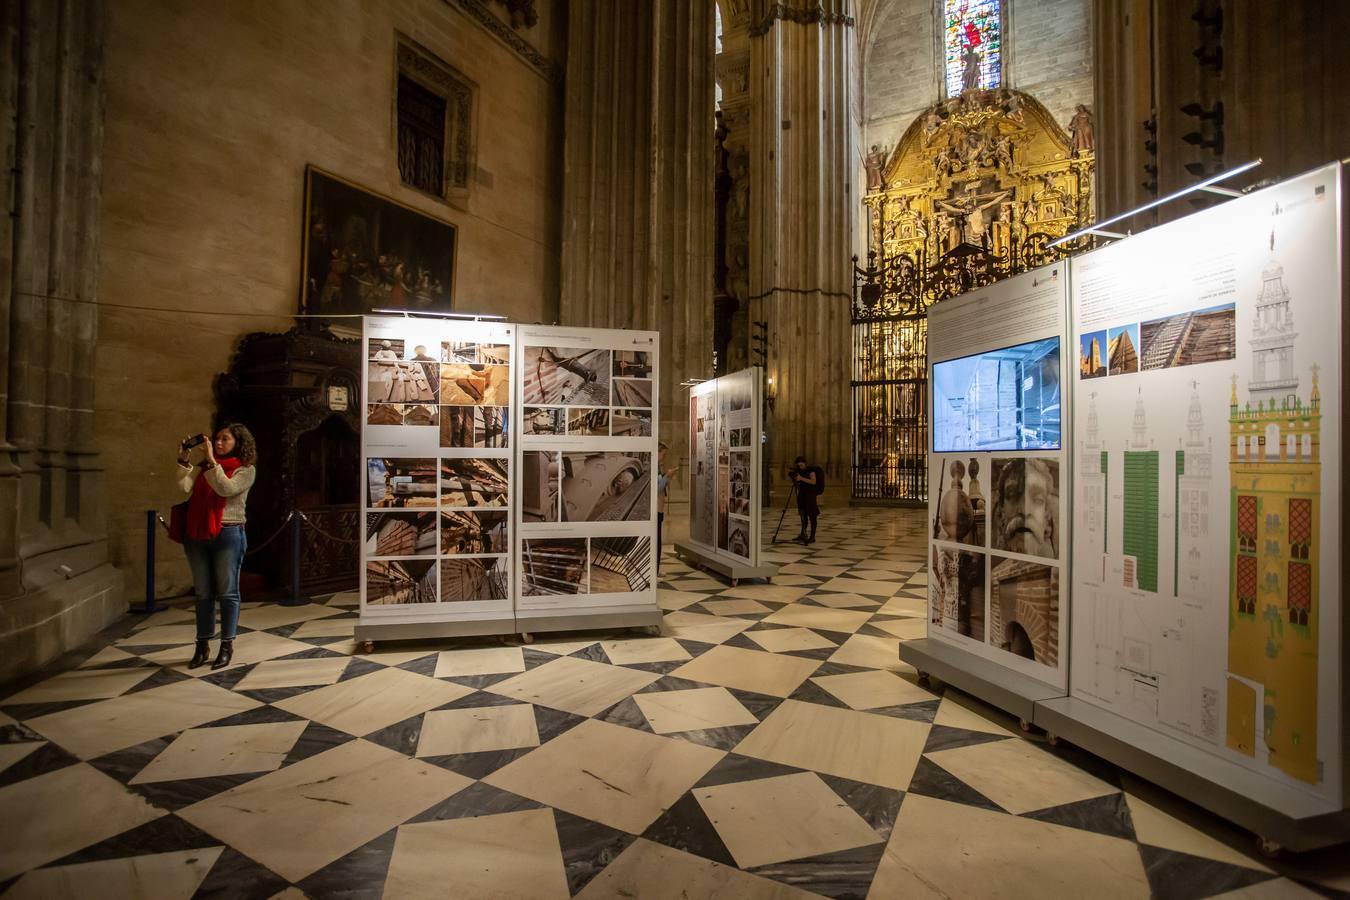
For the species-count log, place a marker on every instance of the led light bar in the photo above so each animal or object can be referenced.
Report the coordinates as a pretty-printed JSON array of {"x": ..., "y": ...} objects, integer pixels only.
[
  {"x": 440, "y": 315},
  {"x": 1096, "y": 228}
]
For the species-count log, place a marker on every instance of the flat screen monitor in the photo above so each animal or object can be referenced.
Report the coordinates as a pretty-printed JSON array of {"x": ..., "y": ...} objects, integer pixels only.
[{"x": 1005, "y": 399}]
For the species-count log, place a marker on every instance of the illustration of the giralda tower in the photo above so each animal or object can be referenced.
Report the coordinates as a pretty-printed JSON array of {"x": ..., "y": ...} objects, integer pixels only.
[{"x": 1275, "y": 469}]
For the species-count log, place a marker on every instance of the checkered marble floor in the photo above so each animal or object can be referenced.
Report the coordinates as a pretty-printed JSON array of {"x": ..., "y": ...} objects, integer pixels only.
[{"x": 768, "y": 745}]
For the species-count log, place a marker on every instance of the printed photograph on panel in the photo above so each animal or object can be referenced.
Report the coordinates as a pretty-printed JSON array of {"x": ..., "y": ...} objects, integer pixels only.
[
  {"x": 588, "y": 422},
  {"x": 621, "y": 565},
  {"x": 1122, "y": 355},
  {"x": 395, "y": 483},
  {"x": 466, "y": 580},
  {"x": 738, "y": 437},
  {"x": 420, "y": 355},
  {"x": 1024, "y": 610},
  {"x": 459, "y": 352},
  {"x": 401, "y": 534},
  {"x": 606, "y": 487},
  {"x": 632, "y": 364},
  {"x": 961, "y": 507},
  {"x": 463, "y": 384},
  {"x": 629, "y": 392},
  {"x": 539, "y": 486},
  {"x": 384, "y": 414},
  {"x": 567, "y": 375},
  {"x": 473, "y": 482},
  {"x": 390, "y": 582},
  {"x": 465, "y": 533},
  {"x": 1092, "y": 353},
  {"x": 631, "y": 423},
  {"x": 385, "y": 348},
  {"x": 494, "y": 354},
  {"x": 956, "y": 592},
  {"x": 1188, "y": 339},
  {"x": 475, "y": 427},
  {"x": 1025, "y": 513},
  {"x": 738, "y": 536},
  {"x": 544, "y": 420},
  {"x": 554, "y": 566},
  {"x": 734, "y": 394},
  {"x": 421, "y": 414},
  {"x": 391, "y": 379}
]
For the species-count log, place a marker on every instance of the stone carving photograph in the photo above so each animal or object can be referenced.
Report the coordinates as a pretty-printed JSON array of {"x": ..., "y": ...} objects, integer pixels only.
[
  {"x": 606, "y": 487},
  {"x": 1025, "y": 507}
]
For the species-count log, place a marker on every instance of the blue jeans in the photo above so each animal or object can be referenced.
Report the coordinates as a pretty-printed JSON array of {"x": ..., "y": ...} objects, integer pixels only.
[{"x": 215, "y": 576}]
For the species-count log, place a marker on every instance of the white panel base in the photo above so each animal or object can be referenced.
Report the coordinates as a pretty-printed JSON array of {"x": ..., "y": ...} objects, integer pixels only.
[
  {"x": 996, "y": 685},
  {"x": 529, "y": 621},
  {"x": 702, "y": 559}
]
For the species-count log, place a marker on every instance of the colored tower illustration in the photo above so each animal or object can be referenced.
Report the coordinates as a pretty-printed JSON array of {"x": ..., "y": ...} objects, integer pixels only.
[
  {"x": 1276, "y": 474},
  {"x": 1092, "y": 472},
  {"x": 1140, "y": 536},
  {"x": 1195, "y": 463}
]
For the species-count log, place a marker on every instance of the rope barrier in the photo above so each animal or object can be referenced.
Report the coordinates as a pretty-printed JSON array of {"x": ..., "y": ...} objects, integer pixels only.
[
  {"x": 275, "y": 534},
  {"x": 332, "y": 537}
]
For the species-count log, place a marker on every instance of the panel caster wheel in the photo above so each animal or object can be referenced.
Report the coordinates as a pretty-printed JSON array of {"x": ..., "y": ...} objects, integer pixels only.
[
  {"x": 925, "y": 680},
  {"x": 1052, "y": 739},
  {"x": 735, "y": 582},
  {"x": 1270, "y": 849},
  {"x": 526, "y": 638},
  {"x": 368, "y": 647},
  {"x": 653, "y": 630},
  {"x": 1024, "y": 725}
]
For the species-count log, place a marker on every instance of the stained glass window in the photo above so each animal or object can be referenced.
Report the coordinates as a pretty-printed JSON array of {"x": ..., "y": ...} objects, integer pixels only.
[{"x": 973, "y": 42}]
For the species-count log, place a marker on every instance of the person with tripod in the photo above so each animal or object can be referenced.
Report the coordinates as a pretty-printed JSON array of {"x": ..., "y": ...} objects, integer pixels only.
[{"x": 809, "y": 482}]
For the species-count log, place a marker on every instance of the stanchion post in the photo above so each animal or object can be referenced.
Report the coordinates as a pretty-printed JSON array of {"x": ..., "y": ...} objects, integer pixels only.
[
  {"x": 297, "y": 536},
  {"x": 151, "y": 520}
]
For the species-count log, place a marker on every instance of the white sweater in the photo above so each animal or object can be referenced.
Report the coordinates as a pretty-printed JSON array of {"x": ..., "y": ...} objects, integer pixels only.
[{"x": 234, "y": 489}]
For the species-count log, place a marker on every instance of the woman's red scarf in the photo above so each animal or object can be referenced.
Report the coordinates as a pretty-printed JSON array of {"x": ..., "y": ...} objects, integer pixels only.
[{"x": 206, "y": 508}]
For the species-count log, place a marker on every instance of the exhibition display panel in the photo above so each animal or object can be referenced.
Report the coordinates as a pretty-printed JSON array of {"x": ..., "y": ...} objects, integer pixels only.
[
  {"x": 586, "y": 460},
  {"x": 997, "y": 530},
  {"x": 725, "y": 443},
  {"x": 1197, "y": 469},
  {"x": 1207, "y": 495},
  {"x": 439, "y": 488}
]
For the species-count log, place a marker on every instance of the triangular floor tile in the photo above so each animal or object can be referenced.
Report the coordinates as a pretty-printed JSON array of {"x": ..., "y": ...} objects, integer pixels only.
[
  {"x": 587, "y": 847},
  {"x": 47, "y": 758},
  {"x": 628, "y": 714},
  {"x": 360, "y": 873},
  {"x": 401, "y": 737},
  {"x": 553, "y": 722},
  {"x": 944, "y": 737},
  {"x": 1107, "y": 815},
  {"x": 724, "y": 738},
  {"x": 163, "y": 835},
  {"x": 477, "y": 799},
  {"x": 810, "y": 692},
  {"x": 262, "y": 715},
  {"x": 877, "y": 805},
  {"x": 848, "y": 873},
  {"x": 760, "y": 705},
  {"x": 734, "y": 768},
  {"x": 1176, "y": 876},
  {"x": 478, "y": 765},
  {"x": 315, "y": 739},
  {"x": 236, "y": 875},
  {"x": 423, "y": 665},
  {"x": 685, "y": 826},
  {"x": 931, "y": 780}
]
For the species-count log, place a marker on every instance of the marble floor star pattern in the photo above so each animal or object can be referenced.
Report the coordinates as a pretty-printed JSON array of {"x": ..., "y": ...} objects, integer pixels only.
[{"x": 768, "y": 744}]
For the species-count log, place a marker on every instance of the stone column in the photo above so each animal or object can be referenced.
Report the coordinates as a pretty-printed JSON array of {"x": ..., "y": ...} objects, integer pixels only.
[
  {"x": 638, "y": 183},
  {"x": 803, "y": 159},
  {"x": 56, "y": 587}
]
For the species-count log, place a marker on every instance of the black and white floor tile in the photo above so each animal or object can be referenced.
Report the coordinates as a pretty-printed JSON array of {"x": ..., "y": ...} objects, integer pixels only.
[{"x": 769, "y": 744}]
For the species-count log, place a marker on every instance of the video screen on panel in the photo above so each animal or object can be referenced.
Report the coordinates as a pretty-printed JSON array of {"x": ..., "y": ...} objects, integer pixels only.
[{"x": 1006, "y": 399}]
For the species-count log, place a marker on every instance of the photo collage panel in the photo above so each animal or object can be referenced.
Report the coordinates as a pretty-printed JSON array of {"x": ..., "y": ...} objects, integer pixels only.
[
  {"x": 735, "y": 436},
  {"x": 587, "y": 392},
  {"x": 438, "y": 528},
  {"x": 596, "y": 565},
  {"x": 1184, "y": 339},
  {"x": 995, "y": 552}
]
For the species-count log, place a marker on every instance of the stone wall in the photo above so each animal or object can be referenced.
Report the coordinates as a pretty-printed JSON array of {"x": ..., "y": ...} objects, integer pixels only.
[
  {"x": 213, "y": 112},
  {"x": 1051, "y": 58}
]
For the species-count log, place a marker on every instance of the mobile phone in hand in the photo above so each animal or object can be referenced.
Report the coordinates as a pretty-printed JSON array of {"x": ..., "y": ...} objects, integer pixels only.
[{"x": 194, "y": 441}]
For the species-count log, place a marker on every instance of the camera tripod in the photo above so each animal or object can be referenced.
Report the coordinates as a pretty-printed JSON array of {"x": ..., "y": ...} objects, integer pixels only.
[{"x": 792, "y": 493}]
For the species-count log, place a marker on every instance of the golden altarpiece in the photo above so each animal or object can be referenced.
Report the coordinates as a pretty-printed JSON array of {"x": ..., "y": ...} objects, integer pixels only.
[{"x": 975, "y": 190}]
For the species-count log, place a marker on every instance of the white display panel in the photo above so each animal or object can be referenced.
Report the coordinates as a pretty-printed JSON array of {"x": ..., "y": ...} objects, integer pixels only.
[
  {"x": 997, "y": 583},
  {"x": 437, "y": 401},
  {"x": 586, "y": 465},
  {"x": 725, "y": 440},
  {"x": 1207, "y": 441}
]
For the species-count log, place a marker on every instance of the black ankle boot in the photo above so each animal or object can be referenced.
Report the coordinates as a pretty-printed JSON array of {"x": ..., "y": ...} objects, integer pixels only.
[
  {"x": 224, "y": 656},
  {"x": 200, "y": 655}
]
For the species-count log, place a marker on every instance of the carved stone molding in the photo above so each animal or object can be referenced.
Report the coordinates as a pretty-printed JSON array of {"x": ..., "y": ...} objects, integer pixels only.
[
  {"x": 479, "y": 12},
  {"x": 458, "y": 91},
  {"x": 809, "y": 15},
  {"x": 733, "y": 74}
]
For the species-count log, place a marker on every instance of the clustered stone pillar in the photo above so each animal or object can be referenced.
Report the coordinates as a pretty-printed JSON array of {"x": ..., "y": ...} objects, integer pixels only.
[
  {"x": 56, "y": 586},
  {"x": 638, "y": 164},
  {"x": 803, "y": 160}
]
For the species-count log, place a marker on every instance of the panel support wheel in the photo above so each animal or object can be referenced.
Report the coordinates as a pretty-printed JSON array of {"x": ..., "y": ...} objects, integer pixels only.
[
  {"x": 526, "y": 638},
  {"x": 735, "y": 582},
  {"x": 653, "y": 630},
  {"x": 1052, "y": 739},
  {"x": 924, "y": 679},
  {"x": 1024, "y": 725},
  {"x": 368, "y": 647},
  {"x": 1270, "y": 849}
]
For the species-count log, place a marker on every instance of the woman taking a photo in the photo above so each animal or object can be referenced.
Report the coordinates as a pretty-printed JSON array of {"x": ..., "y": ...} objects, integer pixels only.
[{"x": 214, "y": 538}]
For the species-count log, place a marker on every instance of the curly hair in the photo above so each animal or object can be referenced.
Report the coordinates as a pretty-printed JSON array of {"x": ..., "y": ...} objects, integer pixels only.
[{"x": 245, "y": 447}]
